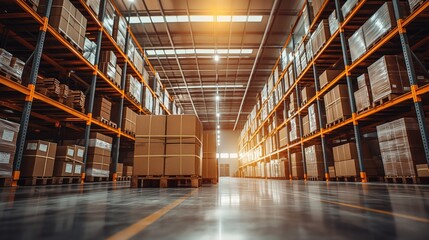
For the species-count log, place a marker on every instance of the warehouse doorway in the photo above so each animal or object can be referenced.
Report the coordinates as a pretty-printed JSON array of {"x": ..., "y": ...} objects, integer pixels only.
[{"x": 224, "y": 170}]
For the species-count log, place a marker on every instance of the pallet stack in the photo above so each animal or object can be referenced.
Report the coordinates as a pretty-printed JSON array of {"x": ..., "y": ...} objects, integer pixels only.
[
  {"x": 297, "y": 165},
  {"x": 8, "y": 136},
  {"x": 102, "y": 110},
  {"x": 134, "y": 88},
  {"x": 363, "y": 97},
  {"x": 209, "y": 163},
  {"x": 99, "y": 157},
  {"x": 38, "y": 161},
  {"x": 76, "y": 99},
  {"x": 68, "y": 161},
  {"x": 108, "y": 67},
  {"x": 337, "y": 104},
  {"x": 120, "y": 31}
]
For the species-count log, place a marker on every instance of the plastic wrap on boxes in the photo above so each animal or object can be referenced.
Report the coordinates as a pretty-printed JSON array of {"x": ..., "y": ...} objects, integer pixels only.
[
  {"x": 284, "y": 58},
  {"x": 297, "y": 166},
  {"x": 333, "y": 22},
  {"x": 320, "y": 36},
  {"x": 313, "y": 119},
  {"x": 357, "y": 44},
  {"x": 305, "y": 125},
  {"x": 89, "y": 50},
  {"x": 363, "y": 80},
  {"x": 134, "y": 88},
  {"x": 131, "y": 49},
  {"x": 279, "y": 91},
  {"x": 5, "y": 57},
  {"x": 293, "y": 133},
  {"x": 109, "y": 17},
  {"x": 138, "y": 61},
  {"x": 309, "y": 51},
  {"x": 264, "y": 93},
  {"x": 379, "y": 24},
  {"x": 145, "y": 75},
  {"x": 94, "y": 172},
  {"x": 270, "y": 83},
  {"x": 414, "y": 3},
  {"x": 94, "y": 5},
  {"x": 387, "y": 76},
  {"x": 148, "y": 103},
  {"x": 400, "y": 149},
  {"x": 314, "y": 161},
  {"x": 17, "y": 67},
  {"x": 362, "y": 99},
  {"x": 303, "y": 24},
  {"x": 348, "y": 6}
]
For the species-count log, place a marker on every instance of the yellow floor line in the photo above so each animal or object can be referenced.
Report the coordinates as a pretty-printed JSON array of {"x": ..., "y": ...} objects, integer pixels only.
[
  {"x": 418, "y": 219},
  {"x": 139, "y": 226}
]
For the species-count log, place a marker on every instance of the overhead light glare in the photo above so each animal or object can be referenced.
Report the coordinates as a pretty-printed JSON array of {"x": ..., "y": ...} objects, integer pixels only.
[
  {"x": 218, "y": 126},
  {"x": 216, "y": 58},
  {"x": 201, "y": 51},
  {"x": 194, "y": 18},
  {"x": 217, "y": 98},
  {"x": 208, "y": 86},
  {"x": 217, "y": 114}
]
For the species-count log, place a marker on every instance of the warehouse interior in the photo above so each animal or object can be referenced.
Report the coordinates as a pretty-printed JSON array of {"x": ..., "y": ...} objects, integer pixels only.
[{"x": 197, "y": 119}]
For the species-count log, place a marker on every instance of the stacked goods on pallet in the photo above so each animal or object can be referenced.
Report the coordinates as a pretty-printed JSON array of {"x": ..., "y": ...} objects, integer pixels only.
[
  {"x": 362, "y": 95},
  {"x": 333, "y": 22},
  {"x": 129, "y": 120},
  {"x": 357, "y": 44},
  {"x": 348, "y": 6},
  {"x": 109, "y": 17},
  {"x": 209, "y": 163},
  {"x": 183, "y": 146},
  {"x": 68, "y": 161},
  {"x": 94, "y": 5},
  {"x": 53, "y": 88},
  {"x": 414, "y": 3},
  {"x": 401, "y": 148},
  {"x": 99, "y": 152},
  {"x": 337, "y": 104},
  {"x": 102, "y": 109},
  {"x": 119, "y": 169},
  {"x": 133, "y": 88},
  {"x": 138, "y": 61},
  {"x": 38, "y": 159},
  {"x": 149, "y": 148},
  {"x": 306, "y": 94},
  {"x": 297, "y": 165},
  {"x": 293, "y": 104},
  {"x": 314, "y": 161},
  {"x": 313, "y": 120},
  {"x": 8, "y": 136},
  {"x": 10, "y": 65},
  {"x": 317, "y": 5},
  {"x": 328, "y": 76},
  {"x": 148, "y": 100},
  {"x": 305, "y": 125},
  {"x": 293, "y": 133},
  {"x": 388, "y": 75},
  {"x": 89, "y": 50},
  {"x": 76, "y": 99},
  {"x": 166, "y": 100},
  {"x": 108, "y": 66},
  {"x": 283, "y": 137},
  {"x": 120, "y": 31},
  {"x": 347, "y": 163},
  {"x": 66, "y": 19},
  {"x": 320, "y": 36}
]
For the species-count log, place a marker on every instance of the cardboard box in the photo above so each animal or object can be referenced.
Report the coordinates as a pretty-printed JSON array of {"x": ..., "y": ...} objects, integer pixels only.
[
  {"x": 297, "y": 165},
  {"x": 182, "y": 159},
  {"x": 379, "y": 24},
  {"x": 362, "y": 99},
  {"x": 8, "y": 137},
  {"x": 313, "y": 118},
  {"x": 148, "y": 166},
  {"x": 97, "y": 169},
  {"x": 305, "y": 125},
  {"x": 63, "y": 168},
  {"x": 333, "y": 22},
  {"x": 183, "y": 129},
  {"x": 320, "y": 36},
  {"x": 102, "y": 108},
  {"x": 38, "y": 159},
  {"x": 306, "y": 94},
  {"x": 151, "y": 128},
  {"x": 328, "y": 76},
  {"x": 283, "y": 137},
  {"x": 127, "y": 171},
  {"x": 119, "y": 169},
  {"x": 357, "y": 44},
  {"x": 314, "y": 161},
  {"x": 363, "y": 81}
]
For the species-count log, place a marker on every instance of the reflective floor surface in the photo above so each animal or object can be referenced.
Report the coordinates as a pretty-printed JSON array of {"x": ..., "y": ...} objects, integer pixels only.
[{"x": 234, "y": 209}]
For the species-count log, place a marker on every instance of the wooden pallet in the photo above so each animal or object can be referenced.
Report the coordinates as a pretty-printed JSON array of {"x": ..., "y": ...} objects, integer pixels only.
[
  {"x": 123, "y": 178},
  {"x": 384, "y": 100},
  {"x": 107, "y": 122},
  {"x": 338, "y": 121},
  {"x": 165, "y": 181},
  {"x": 33, "y": 181},
  {"x": 129, "y": 132},
  {"x": 10, "y": 76},
  {"x": 71, "y": 41},
  {"x": 96, "y": 179},
  {"x": 364, "y": 109},
  {"x": 133, "y": 98},
  {"x": 402, "y": 179},
  {"x": 210, "y": 180},
  {"x": 66, "y": 180},
  {"x": 6, "y": 182},
  {"x": 310, "y": 134},
  {"x": 348, "y": 179},
  {"x": 315, "y": 179}
]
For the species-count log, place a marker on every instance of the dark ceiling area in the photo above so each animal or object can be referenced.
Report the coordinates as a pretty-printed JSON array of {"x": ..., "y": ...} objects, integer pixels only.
[{"x": 182, "y": 38}]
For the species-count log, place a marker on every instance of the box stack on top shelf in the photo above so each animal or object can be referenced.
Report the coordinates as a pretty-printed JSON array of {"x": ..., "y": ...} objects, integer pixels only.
[
  {"x": 380, "y": 91},
  {"x": 63, "y": 88}
]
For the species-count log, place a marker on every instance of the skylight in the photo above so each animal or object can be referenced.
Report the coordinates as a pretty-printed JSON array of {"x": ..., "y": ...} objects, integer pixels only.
[
  {"x": 196, "y": 18},
  {"x": 198, "y": 51}
]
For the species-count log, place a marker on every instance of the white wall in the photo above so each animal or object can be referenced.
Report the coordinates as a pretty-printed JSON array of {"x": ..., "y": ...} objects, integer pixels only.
[{"x": 229, "y": 144}]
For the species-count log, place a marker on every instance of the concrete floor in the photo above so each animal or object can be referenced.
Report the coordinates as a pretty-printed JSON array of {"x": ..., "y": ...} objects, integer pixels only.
[{"x": 235, "y": 209}]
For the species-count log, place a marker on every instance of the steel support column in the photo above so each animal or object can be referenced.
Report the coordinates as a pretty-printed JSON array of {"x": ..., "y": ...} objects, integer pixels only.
[
  {"x": 25, "y": 117},
  {"x": 409, "y": 63},
  {"x": 351, "y": 94}
]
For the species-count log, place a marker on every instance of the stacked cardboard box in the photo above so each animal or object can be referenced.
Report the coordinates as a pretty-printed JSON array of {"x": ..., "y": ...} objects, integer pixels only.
[
  {"x": 68, "y": 161},
  {"x": 11, "y": 65},
  {"x": 134, "y": 88},
  {"x": 209, "y": 164},
  {"x": 283, "y": 136},
  {"x": 148, "y": 100},
  {"x": 109, "y": 17},
  {"x": 401, "y": 147},
  {"x": 76, "y": 100},
  {"x": 313, "y": 119},
  {"x": 320, "y": 36},
  {"x": 129, "y": 120},
  {"x": 120, "y": 31},
  {"x": 379, "y": 24},
  {"x": 357, "y": 44},
  {"x": 94, "y": 5},
  {"x": 333, "y": 22},
  {"x": 108, "y": 66},
  {"x": 347, "y": 163},
  {"x": 5, "y": 58},
  {"x": 328, "y": 76},
  {"x": 297, "y": 165},
  {"x": 127, "y": 171},
  {"x": 38, "y": 159},
  {"x": 362, "y": 95},
  {"x": 149, "y": 148},
  {"x": 8, "y": 136},
  {"x": 305, "y": 125},
  {"x": 99, "y": 155},
  {"x": 89, "y": 50},
  {"x": 388, "y": 76},
  {"x": 48, "y": 86},
  {"x": 102, "y": 108},
  {"x": 337, "y": 104},
  {"x": 414, "y": 3},
  {"x": 293, "y": 104},
  {"x": 314, "y": 161},
  {"x": 317, "y": 5},
  {"x": 68, "y": 20},
  {"x": 293, "y": 133},
  {"x": 306, "y": 94},
  {"x": 348, "y": 6},
  {"x": 183, "y": 149},
  {"x": 17, "y": 66}
]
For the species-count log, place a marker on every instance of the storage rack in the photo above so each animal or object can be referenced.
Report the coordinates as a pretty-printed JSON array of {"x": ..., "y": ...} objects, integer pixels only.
[
  {"x": 335, "y": 48},
  {"x": 22, "y": 24}
]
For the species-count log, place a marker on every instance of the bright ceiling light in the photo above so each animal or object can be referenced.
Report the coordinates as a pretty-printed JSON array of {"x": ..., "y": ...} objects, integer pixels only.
[
  {"x": 217, "y": 114},
  {"x": 198, "y": 51},
  {"x": 194, "y": 18},
  {"x": 216, "y": 58},
  {"x": 218, "y": 131},
  {"x": 131, "y": 1},
  {"x": 239, "y": 18},
  {"x": 208, "y": 86},
  {"x": 218, "y": 126},
  {"x": 205, "y": 51},
  {"x": 218, "y": 136},
  {"x": 218, "y": 144},
  {"x": 217, "y": 98},
  {"x": 224, "y": 18},
  {"x": 201, "y": 18},
  {"x": 254, "y": 18}
]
